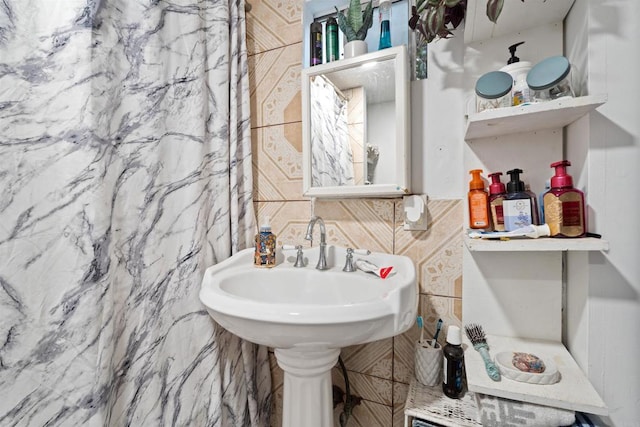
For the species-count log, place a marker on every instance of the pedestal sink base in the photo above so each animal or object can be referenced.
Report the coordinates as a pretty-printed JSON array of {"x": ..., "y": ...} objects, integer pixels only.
[{"x": 308, "y": 395}]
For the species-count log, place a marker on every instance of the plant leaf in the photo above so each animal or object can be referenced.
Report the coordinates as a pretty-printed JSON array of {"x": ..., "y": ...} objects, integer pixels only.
[
  {"x": 354, "y": 16},
  {"x": 344, "y": 26},
  {"x": 451, "y": 3},
  {"x": 415, "y": 18},
  {"x": 435, "y": 20},
  {"x": 494, "y": 8},
  {"x": 367, "y": 22}
]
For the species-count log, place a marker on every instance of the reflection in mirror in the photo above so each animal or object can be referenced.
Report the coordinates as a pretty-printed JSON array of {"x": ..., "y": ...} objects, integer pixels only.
[
  {"x": 355, "y": 126},
  {"x": 331, "y": 155}
]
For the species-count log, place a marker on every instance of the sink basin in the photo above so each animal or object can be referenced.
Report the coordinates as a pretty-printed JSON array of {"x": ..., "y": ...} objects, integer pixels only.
[
  {"x": 308, "y": 315},
  {"x": 285, "y": 306}
]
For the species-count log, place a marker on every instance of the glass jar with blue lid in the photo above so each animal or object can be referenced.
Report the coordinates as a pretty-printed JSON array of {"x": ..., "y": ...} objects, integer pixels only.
[
  {"x": 550, "y": 79},
  {"x": 493, "y": 90}
]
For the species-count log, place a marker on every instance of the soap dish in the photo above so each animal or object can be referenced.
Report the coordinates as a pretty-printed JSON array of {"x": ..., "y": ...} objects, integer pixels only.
[{"x": 504, "y": 360}]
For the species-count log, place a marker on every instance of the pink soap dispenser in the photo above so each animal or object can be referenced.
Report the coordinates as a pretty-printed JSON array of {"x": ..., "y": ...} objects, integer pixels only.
[
  {"x": 497, "y": 194},
  {"x": 564, "y": 209}
]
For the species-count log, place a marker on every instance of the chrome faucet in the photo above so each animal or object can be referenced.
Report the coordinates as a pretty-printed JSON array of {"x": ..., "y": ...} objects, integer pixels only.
[{"x": 322, "y": 261}]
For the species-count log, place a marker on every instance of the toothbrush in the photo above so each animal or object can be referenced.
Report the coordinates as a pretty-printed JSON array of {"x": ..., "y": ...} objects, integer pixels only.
[
  {"x": 438, "y": 328},
  {"x": 421, "y": 326}
]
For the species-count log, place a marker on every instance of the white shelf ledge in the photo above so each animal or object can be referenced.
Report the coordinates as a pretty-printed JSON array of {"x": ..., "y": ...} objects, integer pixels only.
[
  {"x": 536, "y": 245},
  {"x": 573, "y": 392},
  {"x": 516, "y": 16},
  {"x": 431, "y": 404},
  {"x": 545, "y": 115}
]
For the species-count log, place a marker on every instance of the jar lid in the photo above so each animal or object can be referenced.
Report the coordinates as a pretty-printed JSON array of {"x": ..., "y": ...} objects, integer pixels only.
[
  {"x": 494, "y": 84},
  {"x": 548, "y": 73}
]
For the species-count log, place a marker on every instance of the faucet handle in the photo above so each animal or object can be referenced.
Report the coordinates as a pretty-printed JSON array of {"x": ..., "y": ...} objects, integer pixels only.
[
  {"x": 348, "y": 265},
  {"x": 299, "y": 257}
]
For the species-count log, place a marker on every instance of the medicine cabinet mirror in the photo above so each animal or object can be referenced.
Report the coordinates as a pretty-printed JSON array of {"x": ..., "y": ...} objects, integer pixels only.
[{"x": 355, "y": 124}]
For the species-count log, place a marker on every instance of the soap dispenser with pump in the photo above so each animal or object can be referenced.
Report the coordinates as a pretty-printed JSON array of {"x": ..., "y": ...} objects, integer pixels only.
[
  {"x": 518, "y": 71},
  {"x": 564, "y": 205},
  {"x": 497, "y": 194},
  {"x": 265, "y": 246},
  {"x": 520, "y": 207},
  {"x": 478, "y": 202}
]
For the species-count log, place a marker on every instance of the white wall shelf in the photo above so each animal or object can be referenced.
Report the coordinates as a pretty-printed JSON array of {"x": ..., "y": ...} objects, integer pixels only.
[
  {"x": 535, "y": 245},
  {"x": 545, "y": 115},
  {"x": 573, "y": 391},
  {"x": 431, "y": 404},
  {"x": 515, "y": 16}
]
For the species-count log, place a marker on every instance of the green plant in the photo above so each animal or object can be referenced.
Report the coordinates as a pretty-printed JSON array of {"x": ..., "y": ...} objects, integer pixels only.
[
  {"x": 356, "y": 23},
  {"x": 434, "y": 19}
]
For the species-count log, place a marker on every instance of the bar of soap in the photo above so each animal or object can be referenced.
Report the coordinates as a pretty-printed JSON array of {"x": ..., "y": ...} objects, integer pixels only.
[{"x": 527, "y": 362}]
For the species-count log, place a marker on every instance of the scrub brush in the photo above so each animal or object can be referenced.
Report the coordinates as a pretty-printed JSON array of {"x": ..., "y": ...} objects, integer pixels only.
[{"x": 475, "y": 333}]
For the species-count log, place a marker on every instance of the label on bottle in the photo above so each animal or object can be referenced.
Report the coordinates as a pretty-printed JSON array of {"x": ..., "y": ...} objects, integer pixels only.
[
  {"x": 564, "y": 214},
  {"x": 517, "y": 214},
  {"x": 444, "y": 366},
  {"x": 497, "y": 214},
  {"x": 265, "y": 250},
  {"x": 478, "y": 215},
  {"x": 316, "y": 49}
]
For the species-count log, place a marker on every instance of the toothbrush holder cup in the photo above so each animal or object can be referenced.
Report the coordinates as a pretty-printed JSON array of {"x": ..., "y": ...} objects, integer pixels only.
[{"x": 428, "y": 363}]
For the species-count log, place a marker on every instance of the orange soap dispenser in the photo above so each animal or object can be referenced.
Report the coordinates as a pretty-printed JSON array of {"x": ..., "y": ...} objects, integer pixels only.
[{"x": 478, "y": 201}]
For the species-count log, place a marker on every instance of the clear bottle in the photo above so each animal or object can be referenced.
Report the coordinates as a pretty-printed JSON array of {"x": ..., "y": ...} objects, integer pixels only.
[
  {"x": 384, "y": 9},
  {"x": 478, "y": 202},
  {"x": 265, "y": 247},
  {"x": 547, "y": 187},
  {"x": 564, "y": 205},
  {"x": 497, "y": 194},
  {"x": 453, "y": 364},
  {"x": 332, "y": 50},
  {"x": 550, "y": 79},
  {"x": 493, "y": 90},
  {"x": 520, "y": 206}
]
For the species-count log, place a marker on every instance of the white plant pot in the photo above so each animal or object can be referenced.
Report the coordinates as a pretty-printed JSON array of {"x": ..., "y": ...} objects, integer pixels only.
[{"x": 355, "y": 48}]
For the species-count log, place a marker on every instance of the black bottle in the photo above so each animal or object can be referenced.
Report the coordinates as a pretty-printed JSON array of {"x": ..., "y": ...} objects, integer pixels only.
[
  {"x": 315, "y": 53},
  {"x": 453, "y": 365}
]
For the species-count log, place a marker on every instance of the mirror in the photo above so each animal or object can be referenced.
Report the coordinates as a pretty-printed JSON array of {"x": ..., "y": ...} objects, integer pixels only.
[{"x": 355, "y": 124}]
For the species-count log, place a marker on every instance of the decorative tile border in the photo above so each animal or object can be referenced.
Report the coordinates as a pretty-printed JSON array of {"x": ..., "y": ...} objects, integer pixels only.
[
  {"x": 272, "y": 24},
  {"x": 277, "y": 162},
  {"x": 437, "y": 252},
  {"x": 274, "y": 79}
]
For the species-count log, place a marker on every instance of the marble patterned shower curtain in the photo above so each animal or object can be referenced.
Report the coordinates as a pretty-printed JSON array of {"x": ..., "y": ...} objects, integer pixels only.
[{"x": 125, "y": 171}]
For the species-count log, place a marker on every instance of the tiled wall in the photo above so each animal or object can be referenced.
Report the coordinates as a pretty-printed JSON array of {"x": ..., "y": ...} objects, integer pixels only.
[{"x": 380, "y": 371}]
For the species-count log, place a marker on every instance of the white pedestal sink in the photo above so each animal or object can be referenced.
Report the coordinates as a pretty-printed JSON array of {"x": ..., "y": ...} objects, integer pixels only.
[{"x": 308, "y": 315}]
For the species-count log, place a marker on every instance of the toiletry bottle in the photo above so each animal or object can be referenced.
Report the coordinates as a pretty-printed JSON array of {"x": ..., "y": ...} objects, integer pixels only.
[
  {"x": 265, "y": 250},
  {"x": 497, "y": 193},
  {"x": 332, "y": 51},
  {"x": 519, "y": 207},
  {"x": 315, "y": 52},
  {"x": 520, "y": 93},
  {"x": 385, "y": 27},
  {"x": 564, "y": 205},
  {"x": 478, "y": 201},
  {"x": 547, "y": 186},
  {"x": 453, "y": 364}
]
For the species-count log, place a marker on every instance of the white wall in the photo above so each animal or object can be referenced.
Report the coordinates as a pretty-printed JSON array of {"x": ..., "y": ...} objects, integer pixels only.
[
  {"x": 603, "y": 40},
  {"x": 437, "y": 123}
]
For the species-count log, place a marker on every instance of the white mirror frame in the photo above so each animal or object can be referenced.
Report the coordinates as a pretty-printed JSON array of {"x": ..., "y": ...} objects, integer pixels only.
[{"x": 402, "y": 134}]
